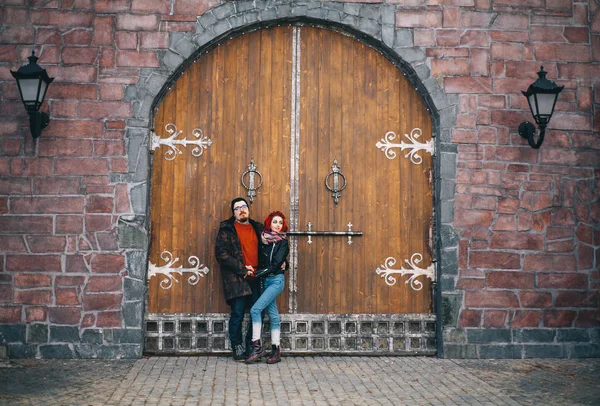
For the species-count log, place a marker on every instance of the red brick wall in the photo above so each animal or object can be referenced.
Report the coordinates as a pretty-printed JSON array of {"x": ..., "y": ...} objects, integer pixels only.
[{"x": 528, "y": 221}]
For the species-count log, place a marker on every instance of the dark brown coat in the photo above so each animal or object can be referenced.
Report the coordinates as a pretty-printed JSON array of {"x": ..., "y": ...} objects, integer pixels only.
[{"x": 229, "y": 255}]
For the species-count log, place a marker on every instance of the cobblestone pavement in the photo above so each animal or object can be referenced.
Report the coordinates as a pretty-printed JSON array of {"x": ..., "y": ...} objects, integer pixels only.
[{"x": 318, "y": 380}]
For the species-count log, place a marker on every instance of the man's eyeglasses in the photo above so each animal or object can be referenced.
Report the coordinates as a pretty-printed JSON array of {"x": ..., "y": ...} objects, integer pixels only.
[{"x": 240, "y": 207}]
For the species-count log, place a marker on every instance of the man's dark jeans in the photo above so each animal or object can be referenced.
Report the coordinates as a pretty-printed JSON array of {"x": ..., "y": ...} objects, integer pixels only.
[{"x": 238, "y": 308}]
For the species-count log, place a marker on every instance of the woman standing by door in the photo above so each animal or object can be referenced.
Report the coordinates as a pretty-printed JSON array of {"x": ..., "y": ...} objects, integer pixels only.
[{"x": 273, "y": 251}]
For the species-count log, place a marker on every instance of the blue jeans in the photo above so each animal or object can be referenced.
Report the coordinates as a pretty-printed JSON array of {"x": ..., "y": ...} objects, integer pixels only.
[
  {"x": 238, "y": 308},
  {"x": 272, "y": 287}
]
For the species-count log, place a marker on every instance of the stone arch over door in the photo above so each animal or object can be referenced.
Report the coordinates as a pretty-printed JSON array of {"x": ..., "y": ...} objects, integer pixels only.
[{"x": 371, "y": 24}]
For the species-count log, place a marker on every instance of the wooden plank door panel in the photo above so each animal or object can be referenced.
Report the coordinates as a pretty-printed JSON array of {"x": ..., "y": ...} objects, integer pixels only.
[
  {"x": 351, "y": 96},
  {"x": 239, "y": 96}
]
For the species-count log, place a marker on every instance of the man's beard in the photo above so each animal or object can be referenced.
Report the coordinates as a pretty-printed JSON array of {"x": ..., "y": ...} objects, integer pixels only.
[{"x": 243, "y": 220}]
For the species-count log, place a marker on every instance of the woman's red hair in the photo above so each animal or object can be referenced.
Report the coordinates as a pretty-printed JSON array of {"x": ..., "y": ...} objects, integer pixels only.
[{"x": 269, "y": 218}]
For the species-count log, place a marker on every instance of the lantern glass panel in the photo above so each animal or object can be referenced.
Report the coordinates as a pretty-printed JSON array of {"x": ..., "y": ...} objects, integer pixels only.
[
  {"x": 532, "y": 105},
  {"x": 545, "y": 103},
  {"x": 43, "y": 88},
  {"x": 29, "y": 89}
]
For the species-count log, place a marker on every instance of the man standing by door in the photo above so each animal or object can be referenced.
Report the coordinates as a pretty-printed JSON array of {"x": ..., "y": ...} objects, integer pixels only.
[{"x": 236, "y": 250}]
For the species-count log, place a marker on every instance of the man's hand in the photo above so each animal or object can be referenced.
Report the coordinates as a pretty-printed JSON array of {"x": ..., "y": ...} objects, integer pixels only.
[
  {"x": 249, "y": 272},
  {"x": 283, "y": 266}
]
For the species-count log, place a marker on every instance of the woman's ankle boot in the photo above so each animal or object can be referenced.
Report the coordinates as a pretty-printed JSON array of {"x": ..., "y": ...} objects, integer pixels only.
[
  {"x": 275, "y": 355},
  {"x": 257, "y": 352}
]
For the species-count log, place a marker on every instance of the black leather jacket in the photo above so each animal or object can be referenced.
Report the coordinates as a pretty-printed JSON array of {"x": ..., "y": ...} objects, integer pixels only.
[{"x": 272, "y": 256}]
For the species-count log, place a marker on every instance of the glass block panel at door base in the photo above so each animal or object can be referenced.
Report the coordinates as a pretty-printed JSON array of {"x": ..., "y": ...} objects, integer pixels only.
[
  {"x": 202, "y": 327},
  {"x": 399, "y": 344},
  {"x": 185, "y": 343},
  {"x": 318, "y": 327},
  {"x": 202, "y": 343},
  {"x": 185, "y": 327},
  {"x": 218, "y": 343},
  {"x": 383, "y": 328},
  {"x": 218, "y": 327},
  {"x": 412, "y": 334},
  {"x": 366, "y": 343},
  {"x": 382, "y": 344},
  {"x": 286, "y": 343},
  {"x": 168, "y": 343},
  {"x": 301, "y": 327},
  {"x": 301, "y": 344},
  {"x": 366, "y": 327}
]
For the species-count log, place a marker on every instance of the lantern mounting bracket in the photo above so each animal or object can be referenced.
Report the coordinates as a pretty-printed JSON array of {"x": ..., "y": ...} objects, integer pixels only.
[
  {"x": 527, "y": 131},
  {"x": 38, "y": 120}
]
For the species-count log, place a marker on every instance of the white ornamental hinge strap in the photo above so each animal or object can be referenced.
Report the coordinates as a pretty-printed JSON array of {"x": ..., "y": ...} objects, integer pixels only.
[
  {"x": 201, "y": 142},
  {"x": 386, "y": 271},
  {"x": 198, "y": 270},
  {"x": 414, "y": 146}
]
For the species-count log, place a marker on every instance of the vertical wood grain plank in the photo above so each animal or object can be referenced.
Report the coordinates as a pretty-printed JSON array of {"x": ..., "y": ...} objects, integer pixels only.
[
  {"x": 348, "y": 157},
  {"x": 309, "y": 146}
]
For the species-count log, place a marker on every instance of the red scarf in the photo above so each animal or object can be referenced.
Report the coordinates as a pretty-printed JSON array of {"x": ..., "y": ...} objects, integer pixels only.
[{"x": 268, "y": 237}]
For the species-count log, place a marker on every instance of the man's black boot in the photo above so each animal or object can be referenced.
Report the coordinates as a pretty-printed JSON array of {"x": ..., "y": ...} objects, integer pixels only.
[
  {"x": 248, "y": 351},
  {"x": 238, "y": 353}
]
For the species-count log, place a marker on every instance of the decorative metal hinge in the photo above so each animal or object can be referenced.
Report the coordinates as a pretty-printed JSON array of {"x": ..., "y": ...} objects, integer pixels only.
[
  {"x": 198, "y": 270},
  {"x": 201, "y": 142},
  {"x": 386, "y": 145},
  {"x": 336, "y": 190},
  {"x": 386, "y": 271},
  {"x": 250, "y": 187}
]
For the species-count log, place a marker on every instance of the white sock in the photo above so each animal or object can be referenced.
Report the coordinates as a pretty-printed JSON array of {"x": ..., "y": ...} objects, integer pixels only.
[
  {"x": 256, "y": 328},
  {"x": 275, "y": 337}
]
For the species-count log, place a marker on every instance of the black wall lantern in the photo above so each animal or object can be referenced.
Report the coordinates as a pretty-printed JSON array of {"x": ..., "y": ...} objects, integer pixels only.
[
  {"x": 33, "y": 83},
  {"x": 541, "y": 96}
]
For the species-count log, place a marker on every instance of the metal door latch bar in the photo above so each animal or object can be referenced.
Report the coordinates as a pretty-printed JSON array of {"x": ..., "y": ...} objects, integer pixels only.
[{"x": 310, "y": 233}]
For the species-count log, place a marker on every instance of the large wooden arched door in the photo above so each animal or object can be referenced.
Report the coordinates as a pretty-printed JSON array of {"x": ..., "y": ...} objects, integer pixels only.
[{"x": 313, "y": 110}]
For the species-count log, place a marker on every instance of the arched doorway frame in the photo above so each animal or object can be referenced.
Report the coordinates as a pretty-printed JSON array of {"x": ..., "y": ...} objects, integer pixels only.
[{"x": 370, "y": 24}]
